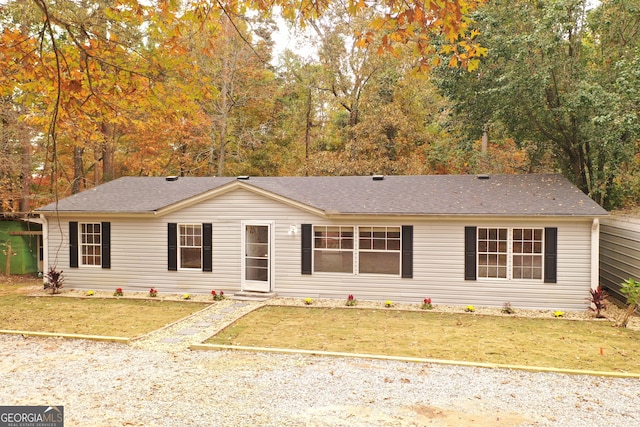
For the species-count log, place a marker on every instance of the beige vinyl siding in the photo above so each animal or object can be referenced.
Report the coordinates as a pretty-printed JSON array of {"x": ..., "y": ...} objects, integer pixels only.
[
  {"x": 619, "y": 253},
  {"x": 139, "y": 258}
]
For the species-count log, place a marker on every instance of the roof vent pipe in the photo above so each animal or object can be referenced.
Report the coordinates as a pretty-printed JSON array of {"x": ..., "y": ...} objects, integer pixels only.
[
  {"x": 243, "y": 177},
  {"x": 171, "y": 178},
  {"x": 484, "y": 176},
  {"x": 377, "y": 177}
]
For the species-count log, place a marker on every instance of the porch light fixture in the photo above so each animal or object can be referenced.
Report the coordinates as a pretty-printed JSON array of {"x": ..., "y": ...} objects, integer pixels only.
[{"x": 293, "y": 230}]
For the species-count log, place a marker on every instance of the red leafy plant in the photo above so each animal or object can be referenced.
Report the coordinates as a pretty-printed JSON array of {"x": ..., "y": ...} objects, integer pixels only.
[
  {"x": 426, "y": 304},
  {"x": 153, "y": 292},
  {"x": 55, "y": 279},
  {"x": 598, "y": 300},
  {"x": 118, "y": 292},
  {"x": 351, "y": 301},
  {"x": 217, "y": 296}
]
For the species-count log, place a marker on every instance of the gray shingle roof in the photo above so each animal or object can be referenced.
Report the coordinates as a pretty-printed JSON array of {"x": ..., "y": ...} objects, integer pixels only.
[{"x": 548, "y": 195}]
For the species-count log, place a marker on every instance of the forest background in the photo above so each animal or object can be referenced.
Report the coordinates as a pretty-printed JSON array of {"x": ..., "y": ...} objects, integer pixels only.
[{"x": 91, "y": 90}]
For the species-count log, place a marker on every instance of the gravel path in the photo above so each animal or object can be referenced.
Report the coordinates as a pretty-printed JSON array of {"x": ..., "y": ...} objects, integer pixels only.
[{"x": 109, "y": 384}]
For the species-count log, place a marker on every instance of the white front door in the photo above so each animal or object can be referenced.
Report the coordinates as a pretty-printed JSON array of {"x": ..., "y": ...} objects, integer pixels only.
[{"x": 256, "y": 263}]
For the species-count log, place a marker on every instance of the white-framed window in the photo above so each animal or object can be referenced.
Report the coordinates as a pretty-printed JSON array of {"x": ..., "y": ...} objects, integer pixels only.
[
  {"x": 190, "y": 246},
  {"x": 91, "y": 244},
  {"x": 527, "y": 253},
  {"x": 510, "y": 253},
  {"x": 333, "y": 249},
  {"x": 379, "y": 250}
]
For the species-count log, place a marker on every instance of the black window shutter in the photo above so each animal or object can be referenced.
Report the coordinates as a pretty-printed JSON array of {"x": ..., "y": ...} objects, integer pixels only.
[
  {"x": 470, "y": 234},
  {"x": 207, "y": 250},
  {"x": 307, "y": 240},
  {"x": 407, "y": 251},
  {"x": 173, "y": 246},
  {"x": 106, "y": 244},
  {"x": 550, "y": 255},
  {"x": 73, "y": 244}
]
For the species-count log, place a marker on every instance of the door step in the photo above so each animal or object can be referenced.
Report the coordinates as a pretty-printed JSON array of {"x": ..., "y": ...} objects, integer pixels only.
[{"x": 252, "y": 296}]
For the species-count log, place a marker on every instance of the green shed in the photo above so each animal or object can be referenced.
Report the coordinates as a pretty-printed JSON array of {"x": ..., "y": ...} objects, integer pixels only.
[{"x": 21, "y": 241}]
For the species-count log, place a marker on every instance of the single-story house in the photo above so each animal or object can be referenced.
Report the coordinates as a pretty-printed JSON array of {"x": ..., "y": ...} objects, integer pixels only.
[{"x": 530, "y": 240}]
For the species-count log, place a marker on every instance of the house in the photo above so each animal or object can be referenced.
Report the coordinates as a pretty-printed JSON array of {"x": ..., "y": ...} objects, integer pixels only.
[{"x": 531, "y": 240}]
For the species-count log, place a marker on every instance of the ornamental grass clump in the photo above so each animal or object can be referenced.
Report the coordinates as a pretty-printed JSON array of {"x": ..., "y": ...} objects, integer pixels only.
[
  {"x": 426, "y": 304},
  {"x": 217, "y": 296},
  {"x": 351, "y": 301}
]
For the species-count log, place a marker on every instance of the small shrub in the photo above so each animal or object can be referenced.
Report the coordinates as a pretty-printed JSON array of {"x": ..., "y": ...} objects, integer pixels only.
[
  {"x": 90, "y": 293},
  {"x": 598, "y": 300},
  {"x": 469, "y": 309},
  {"x": 507, "y": 308},
  {"x": 153, "y": 292},
  {"x": 308, "y": 301},
  {"x": 217, "y": 296},
  {"x": 351, "y": 301},
  {"x": 388, "y": 303},
  {"x": 118, "y": 292},
  {"x": 186, "y": 296},
  {"x": 55, "y": 279},
  {"x": 631, "y": 288},
  {"x": 558, "y": 313},
  {"x": 426, "y": 304}
]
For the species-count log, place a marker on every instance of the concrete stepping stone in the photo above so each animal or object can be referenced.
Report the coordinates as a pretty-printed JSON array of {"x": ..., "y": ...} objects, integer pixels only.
[
  {"x": 203, "y": 324},
  {"x": 216, "y": 317},
  {"x": 227, "y": 310},
  {"x": 172, "y": 340},
  {"x": 189, "y": 332},
  {"x": 240, "y": 304}
]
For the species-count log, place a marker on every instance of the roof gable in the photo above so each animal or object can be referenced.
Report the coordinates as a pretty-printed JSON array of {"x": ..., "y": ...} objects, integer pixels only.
[{"x": 534, "y": 194}]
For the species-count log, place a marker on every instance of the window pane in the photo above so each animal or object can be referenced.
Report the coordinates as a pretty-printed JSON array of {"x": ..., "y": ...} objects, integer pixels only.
[
  {"x": 393, "y": 245},
  {"x": 190, "y": 258},
  {"x": 333, "y": 261},
  {"x": 380, "y": 262}
]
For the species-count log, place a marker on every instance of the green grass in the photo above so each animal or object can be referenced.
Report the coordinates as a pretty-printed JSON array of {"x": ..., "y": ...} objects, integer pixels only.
[
  {"x": 556, "y": 343},
  {"x": 106, "y": 317}
]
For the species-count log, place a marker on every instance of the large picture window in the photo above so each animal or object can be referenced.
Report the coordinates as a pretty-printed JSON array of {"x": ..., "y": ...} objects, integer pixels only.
[
  {"x": 190, "y": 246},
  {"x": 333, "y": 249},
  {"x": 379, "y": 250},
  {"x": 91, "y": 244},
  {"x": 510, "y": 253}
]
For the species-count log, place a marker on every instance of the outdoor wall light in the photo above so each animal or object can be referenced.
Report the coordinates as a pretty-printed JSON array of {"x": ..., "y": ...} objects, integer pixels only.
[{"x": 293, "y": 230}]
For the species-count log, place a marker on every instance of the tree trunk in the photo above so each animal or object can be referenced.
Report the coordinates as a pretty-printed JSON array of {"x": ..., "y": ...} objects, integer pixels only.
[
  {"x": 78, "y": 170},
  {"x": 107, "y": 154},
  {"x": 25, "y": 175},
  {"x": 626, "y": 316}
]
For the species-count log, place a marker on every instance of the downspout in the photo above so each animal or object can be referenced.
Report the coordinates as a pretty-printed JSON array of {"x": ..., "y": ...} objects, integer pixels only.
[
  {"x": 45, "y": 247},
  {"x": 595, "y": 254}
]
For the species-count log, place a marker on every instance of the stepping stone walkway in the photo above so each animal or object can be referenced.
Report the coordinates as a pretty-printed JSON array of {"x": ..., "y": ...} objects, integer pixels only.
[{"x": 180, "y": 335}]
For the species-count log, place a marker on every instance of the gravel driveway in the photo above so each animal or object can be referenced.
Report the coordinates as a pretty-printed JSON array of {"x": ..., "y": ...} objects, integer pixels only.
[{"x": 107, "y": 384}]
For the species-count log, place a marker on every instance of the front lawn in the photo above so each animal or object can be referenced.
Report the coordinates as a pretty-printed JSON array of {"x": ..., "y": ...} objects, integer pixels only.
[
  {"x": 99, "y": 316},
  {"x": 557, "y": 343}
]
